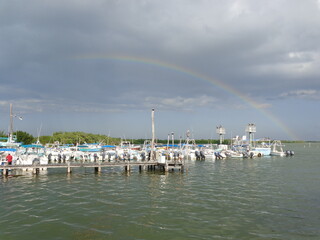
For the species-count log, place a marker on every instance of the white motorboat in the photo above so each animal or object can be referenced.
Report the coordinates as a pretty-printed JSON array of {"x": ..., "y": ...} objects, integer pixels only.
[{"x": 276, "y": 149}]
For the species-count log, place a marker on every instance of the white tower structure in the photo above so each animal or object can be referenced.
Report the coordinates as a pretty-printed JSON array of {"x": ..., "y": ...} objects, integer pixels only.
[
  {"x": 251, "y": 129},
  {"x": 221, "y": 131}
]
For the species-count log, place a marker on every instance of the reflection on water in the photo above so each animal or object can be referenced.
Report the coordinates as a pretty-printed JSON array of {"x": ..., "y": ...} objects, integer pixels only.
[{"x": 262, "y": 198}]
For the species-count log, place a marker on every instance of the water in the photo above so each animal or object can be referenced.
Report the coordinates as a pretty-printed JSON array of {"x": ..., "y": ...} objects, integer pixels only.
[{"x": 262, "y": 198}]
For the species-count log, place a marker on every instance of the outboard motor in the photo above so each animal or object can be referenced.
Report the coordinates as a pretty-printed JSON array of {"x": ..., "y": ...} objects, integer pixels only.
[
  {"x": 251, "y": 154},
  {"x": 197, "y": 155},
  {"x": 36, "y": 161},
  {"x": 203, "y": 157},
  {"x": 180, "y": 156},
  {"x": 217, "y": 155},
  {"x": 143, "y": 156},
  {"x": 49, "y": 158},
  {"x": 289, "y": 153}
]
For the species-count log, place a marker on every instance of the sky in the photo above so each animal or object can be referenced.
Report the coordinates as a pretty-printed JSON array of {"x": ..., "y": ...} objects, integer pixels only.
[{"x": 101, "y": 66}]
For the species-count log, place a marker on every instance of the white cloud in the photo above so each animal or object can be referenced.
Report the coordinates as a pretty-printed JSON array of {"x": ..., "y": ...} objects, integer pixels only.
[
  {"x": 180, "y": 103},
  {"x": 32, "y": 105},
  {"x": 238, "y": 8},
  {"x": 302, "y": 94},
  {"x": 263, "y": 105},
  {"x": 292, "y": 64},
  {"x": 257, "y": 105}
]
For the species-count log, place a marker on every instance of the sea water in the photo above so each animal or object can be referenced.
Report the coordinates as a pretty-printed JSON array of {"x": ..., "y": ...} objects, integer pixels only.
[{"x": 259, "y": 198}]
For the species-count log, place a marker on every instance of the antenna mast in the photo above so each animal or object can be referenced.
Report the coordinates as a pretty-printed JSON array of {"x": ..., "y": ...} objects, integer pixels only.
[
  {"x": 10, "y": 139},
  {"x": 152, "y": 157}
]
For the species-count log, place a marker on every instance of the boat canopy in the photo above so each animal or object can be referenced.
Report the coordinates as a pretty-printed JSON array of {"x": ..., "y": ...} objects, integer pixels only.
[
  {"x": 108, "y": 146},
  {"x": 8, "y": 150},
  {"x": 32, "y": 146},
  {"x": 83, "y": 146},
  {"x": 170, "y": 145},
  {"x": 89, "y": 149}
]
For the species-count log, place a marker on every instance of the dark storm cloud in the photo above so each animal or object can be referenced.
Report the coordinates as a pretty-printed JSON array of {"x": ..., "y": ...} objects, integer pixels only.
[{"x": 263, "y": 49}]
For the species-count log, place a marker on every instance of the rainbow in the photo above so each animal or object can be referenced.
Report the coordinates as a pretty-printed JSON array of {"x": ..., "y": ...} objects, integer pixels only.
[{"x": 202, "y": 77}]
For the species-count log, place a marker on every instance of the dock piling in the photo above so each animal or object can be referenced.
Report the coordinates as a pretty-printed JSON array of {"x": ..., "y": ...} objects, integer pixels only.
[{"x": 68, "y": 168}]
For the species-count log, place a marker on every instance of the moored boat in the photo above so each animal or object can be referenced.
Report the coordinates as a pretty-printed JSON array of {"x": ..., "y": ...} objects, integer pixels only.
[{"x": 277, "y": 149}]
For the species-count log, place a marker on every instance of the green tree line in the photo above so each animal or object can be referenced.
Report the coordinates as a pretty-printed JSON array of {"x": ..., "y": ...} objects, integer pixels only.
[
  {"x": 82, "y": 137},
  {"x": 62, "y": 138}
]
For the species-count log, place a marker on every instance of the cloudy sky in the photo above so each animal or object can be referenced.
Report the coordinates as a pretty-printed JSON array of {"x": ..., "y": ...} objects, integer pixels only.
[{"x": 100, "y": 66}]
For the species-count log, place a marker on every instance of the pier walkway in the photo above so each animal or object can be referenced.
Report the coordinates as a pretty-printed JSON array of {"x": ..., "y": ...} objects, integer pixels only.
[{"x": 143, "y": 165}]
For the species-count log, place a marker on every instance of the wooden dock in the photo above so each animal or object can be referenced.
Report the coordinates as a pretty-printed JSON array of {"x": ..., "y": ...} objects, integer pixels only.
[{"x": 97, "y": 166}]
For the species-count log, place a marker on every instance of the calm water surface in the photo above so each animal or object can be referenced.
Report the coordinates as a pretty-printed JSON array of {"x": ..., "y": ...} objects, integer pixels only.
[{"x": 262, "y": 198}]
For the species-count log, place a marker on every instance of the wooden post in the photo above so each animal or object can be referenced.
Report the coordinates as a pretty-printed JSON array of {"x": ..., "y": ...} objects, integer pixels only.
[
  {"x": 98, "y": 169},
  {"x": 68, "y": 168},
  {"x": 127, "y": 168},
  {"x": 35, "y": 171},
  {"x": 142, "y": 168}
]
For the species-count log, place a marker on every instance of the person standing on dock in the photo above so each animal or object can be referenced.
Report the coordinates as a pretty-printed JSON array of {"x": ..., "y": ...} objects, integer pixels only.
[{"x": 9, "y": 159}]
